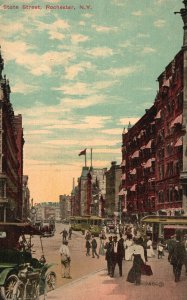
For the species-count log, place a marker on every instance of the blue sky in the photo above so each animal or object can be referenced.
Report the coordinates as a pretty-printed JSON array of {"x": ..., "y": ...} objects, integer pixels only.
[{"x": 79, "y": 76}]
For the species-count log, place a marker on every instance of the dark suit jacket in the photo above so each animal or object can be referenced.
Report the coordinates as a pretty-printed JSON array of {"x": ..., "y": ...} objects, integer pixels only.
[{"x": 121, "y": 249}]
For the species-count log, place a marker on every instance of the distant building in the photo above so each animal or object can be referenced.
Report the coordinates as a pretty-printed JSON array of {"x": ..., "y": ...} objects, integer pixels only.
[
  {"x": 25, "y": 198},
  {"x": 113, "y": 182},
  {"x": 65, "y": 206}
]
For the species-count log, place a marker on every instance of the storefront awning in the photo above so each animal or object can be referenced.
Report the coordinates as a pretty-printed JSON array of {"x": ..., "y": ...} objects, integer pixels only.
[
  {"x": 148, "y": 146},
  {"x": 135, "y": 154},
  {"x": 148, "y": 163},
  {"x": 177, "y": 120},
  {"x": 178, "y": 143}
]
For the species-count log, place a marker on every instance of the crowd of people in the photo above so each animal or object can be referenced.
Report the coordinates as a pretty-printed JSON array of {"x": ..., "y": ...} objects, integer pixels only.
[{"x": 129, "y": 245}]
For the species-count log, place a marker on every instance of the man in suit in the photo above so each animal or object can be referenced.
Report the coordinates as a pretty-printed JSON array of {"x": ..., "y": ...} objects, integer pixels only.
[
  {"x": 117, "y": 255},
  {"x": 108, "y": 255}
]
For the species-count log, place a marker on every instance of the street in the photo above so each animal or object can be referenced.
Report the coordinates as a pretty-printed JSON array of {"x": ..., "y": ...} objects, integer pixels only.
[
  {"x": 89, "y": 275},
  {"x": 81, "y": 265}
]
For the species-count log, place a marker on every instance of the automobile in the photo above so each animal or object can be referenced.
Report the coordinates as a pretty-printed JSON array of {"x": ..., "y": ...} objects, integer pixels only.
[
  {"x": 48, "y": 228},
  {"x": 22, "y": 277}
]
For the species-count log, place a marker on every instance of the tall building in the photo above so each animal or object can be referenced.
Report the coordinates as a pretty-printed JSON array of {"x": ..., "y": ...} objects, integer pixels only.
[
  {"x": 154, "y": 161},
  {"x": 11, "y": 154},
  {"x": 113, "y": 182}
]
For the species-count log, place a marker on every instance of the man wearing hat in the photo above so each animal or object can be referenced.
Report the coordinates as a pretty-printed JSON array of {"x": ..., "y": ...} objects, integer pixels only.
[
  {"x": 108, "y": 255},
  {"x": 117, "y": 255}
]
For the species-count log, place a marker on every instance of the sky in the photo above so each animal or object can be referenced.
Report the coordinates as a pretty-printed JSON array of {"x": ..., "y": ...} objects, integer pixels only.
[{"x": 79, "y": 75}]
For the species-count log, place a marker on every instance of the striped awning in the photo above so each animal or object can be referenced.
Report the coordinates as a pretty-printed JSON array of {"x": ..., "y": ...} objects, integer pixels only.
[
  {"x": 133, "y": 188},
  {"x": 158, "y": 115},
  {"x": 178, "y": 119},
  {"x": 133, "y": 172},
  {"x": 178, "y": 143},
  {"x": 135, "y": 154}
]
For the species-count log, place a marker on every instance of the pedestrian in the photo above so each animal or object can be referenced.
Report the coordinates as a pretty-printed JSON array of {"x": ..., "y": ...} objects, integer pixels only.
[
  {"x": 178, "y": 256},
  {"x": 65, "y": 260},
  {"x": 185, "y": 260},
  {"x": 94, "y": 247},
  {"x": 122, "y": 241},
  {"x": 64, "y": 235},
  {"x": 88, "y": 235},
  {"x": 128, "y": 244},
  {"x": 137, "y": 250},
  {"x": 170, "y": 243},
  {"x": 117, "y": 255},
  {"x": 88, "y": 246},
  {"x": 102, "y": 238},
  {"x": 70, "y": 233},
  {"x": 160, "y": 249},
  {"x": 150, "y": 252},
  {"x": 108, "y": 255}
]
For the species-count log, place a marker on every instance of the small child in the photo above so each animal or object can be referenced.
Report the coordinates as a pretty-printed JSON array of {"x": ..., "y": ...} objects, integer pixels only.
[{"x": 160, "y": 249}]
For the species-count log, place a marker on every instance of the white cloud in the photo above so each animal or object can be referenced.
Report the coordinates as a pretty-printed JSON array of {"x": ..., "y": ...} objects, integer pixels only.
[
  {"x": 125, "y": 71},
  {"x": 88, "y": 122},
  {"x": 137, "y": 13},
  {"x": 105, "y": 150},
  {"x": 125, "y": 121},
  {"x": 105, "y": 28},
  {"x": 37, "y": 132},
  {"x": 83, "y": 103},
  {"x": 100, "y": 52},
  {"x": 38, "y": 65},
  {"x": 148, "y": 50},
  {"x": 82, "y": 23},
  {"x": 113, "y": 131},
  {"x": 119, "y": 2},
  {"x": 23, "y": 88},
  {"x": 78, "y": 88},
  {"x": 73, "y": 70},
  {"x": 160, "y": 23},
  {"x": 79, "y": 38},
  {"x": 87, "y": 143}
]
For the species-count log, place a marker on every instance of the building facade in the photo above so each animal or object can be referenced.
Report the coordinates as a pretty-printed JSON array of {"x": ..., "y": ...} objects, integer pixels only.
[
  {"x": 113, "y": 183},
  {"x": 25, "y": 198},
  {"x": 154, "y": 149},
  {"x": 11, "y": 155}
]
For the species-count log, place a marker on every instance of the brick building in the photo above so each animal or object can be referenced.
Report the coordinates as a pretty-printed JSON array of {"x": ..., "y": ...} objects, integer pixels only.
[
  {"x": 154, "y": 161},
  {"x": 11, "y": 154}
]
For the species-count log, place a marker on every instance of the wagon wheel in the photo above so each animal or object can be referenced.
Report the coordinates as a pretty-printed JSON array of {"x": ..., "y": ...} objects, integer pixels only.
[
  {"x": 13, "y": 289},
  {"x": 50, "y": 280}
]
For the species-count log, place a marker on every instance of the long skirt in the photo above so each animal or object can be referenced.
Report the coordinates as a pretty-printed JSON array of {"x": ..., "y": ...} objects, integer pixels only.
[{"x": 134, "y": 274}]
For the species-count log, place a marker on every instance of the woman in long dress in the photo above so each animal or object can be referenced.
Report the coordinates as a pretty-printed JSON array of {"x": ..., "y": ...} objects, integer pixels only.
[
  {"x": 128, "y": 243},
  {"x": 137, "y": 252},
  {"x": 150, "y": 252}
]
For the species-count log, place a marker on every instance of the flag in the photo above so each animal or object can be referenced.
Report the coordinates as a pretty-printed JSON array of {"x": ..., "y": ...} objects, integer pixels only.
[{"x": 83, "y": 152}]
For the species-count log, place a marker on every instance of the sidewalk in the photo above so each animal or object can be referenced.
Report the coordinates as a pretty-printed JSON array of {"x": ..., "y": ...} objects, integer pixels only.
[{"x": 99, "y": 286}]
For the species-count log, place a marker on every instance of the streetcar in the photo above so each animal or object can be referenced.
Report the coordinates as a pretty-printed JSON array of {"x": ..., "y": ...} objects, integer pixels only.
[
  {"x": 163, "y": 227},
  {"x": 92, "y": 223}
]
